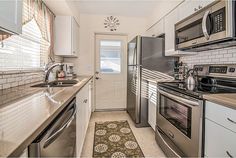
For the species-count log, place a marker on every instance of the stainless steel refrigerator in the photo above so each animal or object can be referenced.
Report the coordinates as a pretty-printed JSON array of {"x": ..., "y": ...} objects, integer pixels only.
[{"x": 144, "y": 53}]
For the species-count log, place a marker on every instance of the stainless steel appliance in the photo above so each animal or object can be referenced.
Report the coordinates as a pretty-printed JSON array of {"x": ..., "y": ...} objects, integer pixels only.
[
  {"x": 210, "y": 28},
  {"x": 180, "y": 114},
  {"x": 68, "y": 69},
  {"x": 59, "y": 139},
  {"x": 145, "y": 54}
]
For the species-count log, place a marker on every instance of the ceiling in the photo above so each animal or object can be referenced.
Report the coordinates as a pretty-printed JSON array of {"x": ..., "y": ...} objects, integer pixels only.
[{"x": 133, "y": 8}]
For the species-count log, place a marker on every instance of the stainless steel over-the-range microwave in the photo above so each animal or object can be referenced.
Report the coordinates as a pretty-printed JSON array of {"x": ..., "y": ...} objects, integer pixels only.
[{"x": 212, "y": 27}]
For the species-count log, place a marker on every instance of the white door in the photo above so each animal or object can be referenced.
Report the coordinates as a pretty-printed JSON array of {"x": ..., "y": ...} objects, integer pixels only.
[{"x": 111, "y": 72}]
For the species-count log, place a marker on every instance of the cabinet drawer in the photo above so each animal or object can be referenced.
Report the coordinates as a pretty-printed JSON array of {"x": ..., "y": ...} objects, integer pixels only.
[
  {"x": 219, "y": 141},
  {"x": 222, "y": 115}
]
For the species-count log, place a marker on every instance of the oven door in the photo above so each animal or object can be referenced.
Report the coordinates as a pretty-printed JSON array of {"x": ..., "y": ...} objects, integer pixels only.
[{"x": 179, "y": 120}]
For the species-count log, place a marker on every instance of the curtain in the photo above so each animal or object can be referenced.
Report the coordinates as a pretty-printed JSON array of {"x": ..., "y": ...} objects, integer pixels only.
[{"x": 43, "y": 16}]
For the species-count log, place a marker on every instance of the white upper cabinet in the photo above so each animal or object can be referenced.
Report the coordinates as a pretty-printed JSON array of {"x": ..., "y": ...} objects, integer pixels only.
[
  {"x": 170, "y": 21},
  {"x": 66, "y": 36},
  {"x": 11, "y": 16},
  {"x": 189, "y": 7},
  {"x": 157, "y": 29}
]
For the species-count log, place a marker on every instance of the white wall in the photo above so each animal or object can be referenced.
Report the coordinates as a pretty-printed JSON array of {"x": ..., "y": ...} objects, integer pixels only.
[
  {"x": 91, "y": 24},
  {"x": 162, "y": 8}
]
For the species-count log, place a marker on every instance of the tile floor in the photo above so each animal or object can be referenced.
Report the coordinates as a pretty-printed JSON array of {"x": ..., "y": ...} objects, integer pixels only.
[{"x": 144, "y": 136}]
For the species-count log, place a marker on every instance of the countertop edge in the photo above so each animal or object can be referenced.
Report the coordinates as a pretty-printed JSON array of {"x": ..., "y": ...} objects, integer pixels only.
[
  {"x": 214, "y": 99},
  {"x": 19, "y": 150}
]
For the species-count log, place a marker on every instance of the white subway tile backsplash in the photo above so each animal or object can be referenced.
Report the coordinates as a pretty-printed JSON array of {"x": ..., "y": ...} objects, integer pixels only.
[
  {"x": 20, "y": 78},
  {"x": 228, "y": 55},
  {"x": 221, "y": 56}
]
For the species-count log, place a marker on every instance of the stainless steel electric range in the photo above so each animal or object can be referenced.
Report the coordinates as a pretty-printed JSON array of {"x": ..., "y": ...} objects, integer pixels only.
[{"x": 180, "y": 112}]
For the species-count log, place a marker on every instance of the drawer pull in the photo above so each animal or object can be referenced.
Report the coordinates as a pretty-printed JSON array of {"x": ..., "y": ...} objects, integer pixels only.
[
  {"x": 229, "y": 154},
  {"x": 231, "y": 120},
  {"x": 85, "y": 101}
]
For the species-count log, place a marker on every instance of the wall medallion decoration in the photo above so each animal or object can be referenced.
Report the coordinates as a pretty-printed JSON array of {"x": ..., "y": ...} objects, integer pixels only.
[{"x": 111, "y": 23}]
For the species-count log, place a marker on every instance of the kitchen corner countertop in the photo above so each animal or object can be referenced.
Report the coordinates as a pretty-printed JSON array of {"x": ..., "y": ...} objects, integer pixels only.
[
  {"x": 225, "y": 99},
  {"x": 26, "y": 111}
]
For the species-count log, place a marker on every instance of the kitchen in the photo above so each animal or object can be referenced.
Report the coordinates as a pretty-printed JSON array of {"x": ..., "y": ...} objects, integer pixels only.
[{"x": 117, "y": 78}]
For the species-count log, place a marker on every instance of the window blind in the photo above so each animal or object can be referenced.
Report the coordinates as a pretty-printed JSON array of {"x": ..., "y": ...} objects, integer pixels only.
[{"x": 30, "y": 49}]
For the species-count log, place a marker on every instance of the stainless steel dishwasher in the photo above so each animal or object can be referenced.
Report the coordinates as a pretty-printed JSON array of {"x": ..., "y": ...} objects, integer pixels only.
[{"x": 59, "y": 139}]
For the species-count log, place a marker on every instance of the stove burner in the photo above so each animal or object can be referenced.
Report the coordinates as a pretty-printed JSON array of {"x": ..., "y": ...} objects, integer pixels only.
[{"x": 204, "y": 85}]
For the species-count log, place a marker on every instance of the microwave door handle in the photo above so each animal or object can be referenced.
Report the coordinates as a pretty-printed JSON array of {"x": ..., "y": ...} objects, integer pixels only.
[{"x": 204, "y": 25}]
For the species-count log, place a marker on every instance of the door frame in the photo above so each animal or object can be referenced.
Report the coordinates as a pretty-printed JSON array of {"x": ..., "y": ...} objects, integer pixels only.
[{"x": 96, "y": 56}]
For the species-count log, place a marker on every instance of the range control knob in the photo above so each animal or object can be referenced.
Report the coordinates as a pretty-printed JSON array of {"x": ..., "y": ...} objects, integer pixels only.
[{"x": 232, "y": 69}]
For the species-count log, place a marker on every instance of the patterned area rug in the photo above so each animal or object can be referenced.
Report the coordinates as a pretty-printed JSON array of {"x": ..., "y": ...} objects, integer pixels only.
[{"x": 115, "y": 139}]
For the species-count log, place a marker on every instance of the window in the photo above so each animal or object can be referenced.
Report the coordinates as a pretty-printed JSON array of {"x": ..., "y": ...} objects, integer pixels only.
[
  {"x": 24, "y": 51},
  {"x": 110, "y": 56},
  {"x": 29, "y": 50}
]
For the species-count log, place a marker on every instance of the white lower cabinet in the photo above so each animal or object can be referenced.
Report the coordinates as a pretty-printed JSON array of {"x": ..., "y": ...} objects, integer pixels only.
[
  {"x": 84, "y": 109},
  {"x": 152, "y": 105},
  {"x": 220, "y": 134},
  {"x": 152, "y": 114},
  {"x": 219, "y": 141}
]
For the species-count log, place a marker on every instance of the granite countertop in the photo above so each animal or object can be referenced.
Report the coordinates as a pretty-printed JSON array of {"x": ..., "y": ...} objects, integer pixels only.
[
  {"x": 225, "y": 99},
  {"x": 26, "y": 111}
]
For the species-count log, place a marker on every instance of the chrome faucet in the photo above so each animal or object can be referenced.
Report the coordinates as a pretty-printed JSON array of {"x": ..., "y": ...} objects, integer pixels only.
[{"x": 48, "y": 70}]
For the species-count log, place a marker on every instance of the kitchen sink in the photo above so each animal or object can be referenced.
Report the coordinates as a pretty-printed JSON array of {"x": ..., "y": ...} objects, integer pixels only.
[{"x": 57, "y": 83}]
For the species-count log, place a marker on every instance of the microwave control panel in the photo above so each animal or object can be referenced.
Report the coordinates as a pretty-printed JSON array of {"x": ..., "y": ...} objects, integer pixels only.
[{"x": 218, "y": 20}]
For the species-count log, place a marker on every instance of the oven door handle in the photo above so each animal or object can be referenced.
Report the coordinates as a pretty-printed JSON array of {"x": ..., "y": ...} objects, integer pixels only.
[
  {"x": 179, "y": 99},
  {"x": 204, "y": 25}
]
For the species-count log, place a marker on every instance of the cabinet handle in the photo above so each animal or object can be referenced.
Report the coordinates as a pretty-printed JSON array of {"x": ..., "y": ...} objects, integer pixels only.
[
  {"x": 232, "y": 121},
  {"x": 171, "y": 134},
  {"x": 229, "y": 154},
  {"x": 85, "y": 101}
]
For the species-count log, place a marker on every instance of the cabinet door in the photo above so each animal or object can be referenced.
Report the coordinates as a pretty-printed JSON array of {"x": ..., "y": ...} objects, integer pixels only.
[
  {"x": 82, "y": 117},
  {"x": 186, "y": 9},
  {"x": 62, "y": 36},
  {"x": 189, "y": 7},
  {"x": 11, "y": 15},
  {"x": 203, "y": 3},
  {"x": 170, "y": 21},
  {"x": 80, "y": 121},
  {"x": 157, "y": 29},
  {"x": 75, "y": 38},
  {"x": 152, "y": 104},
  {"x": 219, "y": 141},
  {"x": 152, "y": 114},
  {"x": 150, "y": 32}
]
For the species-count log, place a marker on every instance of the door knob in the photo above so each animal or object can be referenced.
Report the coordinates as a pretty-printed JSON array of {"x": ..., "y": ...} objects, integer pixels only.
[{"x": 97, "y": 78}]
